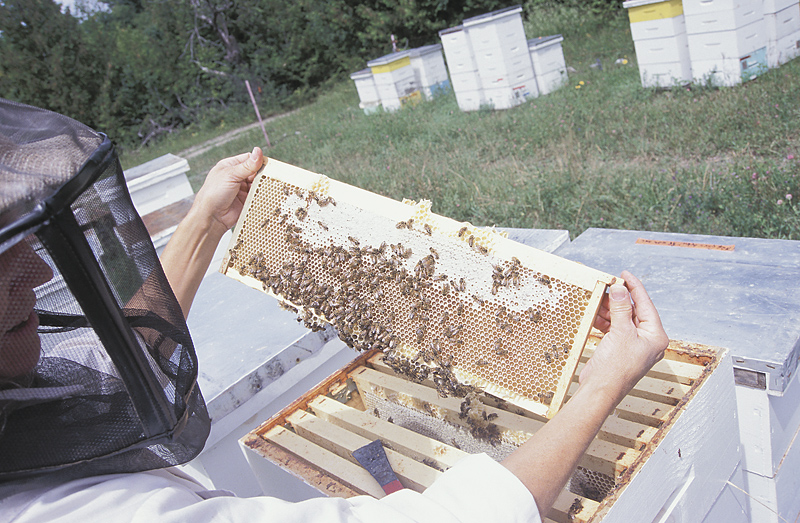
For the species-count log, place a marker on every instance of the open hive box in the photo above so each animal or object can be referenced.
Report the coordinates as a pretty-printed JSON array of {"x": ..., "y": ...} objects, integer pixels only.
[
  {"x": 676, "y": 429},
  {"x": 443, "y": 299},
  {"x": 471, "y": 343}
]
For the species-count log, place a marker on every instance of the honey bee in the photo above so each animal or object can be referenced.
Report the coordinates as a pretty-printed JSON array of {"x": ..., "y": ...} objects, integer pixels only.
[
  {"x": 435, "y": 254},
  {"x": 478, "y": 300},
  {"x": 544, "y": 280},
  {"x": 506, "y": 327},
  {"x": 535, "y": 316},
  {"x": 460, "y": 309},
  {"x": 462, "y": 285},
  {"x": 547, "y": 357},
  {"x": 574, "y": 509},
  {"x": 462, "y": 231},
  {"x": 286, "y": 190},
  {"x": 301, "y": 213},
  {"x": 498, "y": 347},
  {"x": 277, "y": 211},
  {"x": 483, "y": 250},
  {"x": 428, "y": 229},
  {"x": 471, "y": 241},
  {"x": 354, "y": 241},
  {"x": 265, "y": 223},
  {"x": 324, "y": 227},
  {"x": 410, "y": 222},
  {"x": 481, "y": 363},
  {"x": 444, "y": 318},
  {"x": 446, "y": 289},
  {"x": 401, "y": 225}
]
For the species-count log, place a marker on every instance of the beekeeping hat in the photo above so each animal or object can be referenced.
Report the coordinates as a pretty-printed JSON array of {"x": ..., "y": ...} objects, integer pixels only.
[{"x": 108, "y": 384}]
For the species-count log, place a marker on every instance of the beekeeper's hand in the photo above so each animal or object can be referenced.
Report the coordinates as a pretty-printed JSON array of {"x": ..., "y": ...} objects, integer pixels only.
[
  {"x": 222, "y": 195},
  {"x": 215, "y": 210},
  {"x": 633, "y": 343}
]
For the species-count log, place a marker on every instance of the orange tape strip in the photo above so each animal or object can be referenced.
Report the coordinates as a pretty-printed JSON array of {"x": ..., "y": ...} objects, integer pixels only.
[{"x": 690, "y": 245}]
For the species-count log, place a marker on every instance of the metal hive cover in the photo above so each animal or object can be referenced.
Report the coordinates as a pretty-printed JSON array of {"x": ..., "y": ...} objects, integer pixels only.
[{"x": 443, "y": 299}]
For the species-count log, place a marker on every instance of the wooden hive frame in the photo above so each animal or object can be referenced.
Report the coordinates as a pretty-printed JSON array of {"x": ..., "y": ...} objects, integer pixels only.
[
  {"x": 313, "y": 438},
  {"x": 487, "y": 313}
]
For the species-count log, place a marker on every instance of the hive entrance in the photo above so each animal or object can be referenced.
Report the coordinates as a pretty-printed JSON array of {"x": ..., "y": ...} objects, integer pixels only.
[{"x": 444, "y": 300}]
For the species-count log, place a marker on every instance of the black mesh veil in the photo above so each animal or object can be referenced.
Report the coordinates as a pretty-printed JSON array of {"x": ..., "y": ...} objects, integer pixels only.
[{"x": 97, "y": 369}]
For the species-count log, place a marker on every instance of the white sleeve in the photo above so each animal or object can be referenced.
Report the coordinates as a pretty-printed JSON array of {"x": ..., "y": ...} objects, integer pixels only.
[{"x": 477, "y": 489}]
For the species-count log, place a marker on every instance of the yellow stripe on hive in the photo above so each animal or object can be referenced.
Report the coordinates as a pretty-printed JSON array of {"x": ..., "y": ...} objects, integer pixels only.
[
  {"x": 391, "y": 66},
  {"x": 657, "y": 11}
]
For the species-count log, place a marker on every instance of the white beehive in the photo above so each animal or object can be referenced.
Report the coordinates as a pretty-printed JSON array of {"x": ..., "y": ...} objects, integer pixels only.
[
  {"x": 783, "y": 34},
  {"x": 394, "y": 79},
  {"x": 369, "y": 99},
  {"x": 429, "y": 69},
  {"x": 501, "y": 54},
  {"x": 463, "y": 69},
  {"x": 659, "y": 37},
  {"x": 549, "y": 66},
  {"x": 727, "y": 40}
]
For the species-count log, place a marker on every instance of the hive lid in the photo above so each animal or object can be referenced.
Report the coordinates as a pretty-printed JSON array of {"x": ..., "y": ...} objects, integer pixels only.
[
  {"x": 442, "y": 298},
  {"x": 362, "y": 74},
  {"x": 638, "y": 3},
  {"x": 544, "y": 41},
  {"x": 450, "y": 30},
  {"x": 427, "y": 49},
  {"x": 494, "y": 15}
]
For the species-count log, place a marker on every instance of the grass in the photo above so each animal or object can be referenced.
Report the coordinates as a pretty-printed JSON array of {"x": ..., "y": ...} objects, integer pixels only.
[{"x": 606, "y": 154}]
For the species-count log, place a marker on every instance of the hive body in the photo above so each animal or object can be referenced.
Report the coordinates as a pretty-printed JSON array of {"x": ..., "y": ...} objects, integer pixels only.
[{"x": 444, "y": 300}]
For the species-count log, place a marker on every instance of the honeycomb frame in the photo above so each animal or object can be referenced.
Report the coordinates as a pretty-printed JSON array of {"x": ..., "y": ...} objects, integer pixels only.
[{"x": 441, "y": 298}]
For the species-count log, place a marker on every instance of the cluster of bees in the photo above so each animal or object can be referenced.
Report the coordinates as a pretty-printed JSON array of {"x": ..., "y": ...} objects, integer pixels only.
[{"x": 479, "y": 422}]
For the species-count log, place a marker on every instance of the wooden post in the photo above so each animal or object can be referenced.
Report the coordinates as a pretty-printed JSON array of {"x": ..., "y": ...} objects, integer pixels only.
[{"x": 258, "y": 114}]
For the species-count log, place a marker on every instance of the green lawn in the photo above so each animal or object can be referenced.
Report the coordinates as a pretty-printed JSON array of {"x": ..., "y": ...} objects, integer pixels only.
[{"x": 607, "y": 154}]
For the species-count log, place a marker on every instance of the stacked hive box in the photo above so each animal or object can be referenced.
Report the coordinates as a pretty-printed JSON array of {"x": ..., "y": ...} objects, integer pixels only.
[
  {"x": 463, "y": 69},
  {"x": 429, "y": 69},
  {"x": 658, "y": 29},
  {"x": 489, "y": 61},
  {"x": 727, "y": 40},
  {"x": 549, "y": 66},
  {"x": 395, "y": 80},
  {"x": 368, "y": 95},
  {"x": 782, "y": 19}
]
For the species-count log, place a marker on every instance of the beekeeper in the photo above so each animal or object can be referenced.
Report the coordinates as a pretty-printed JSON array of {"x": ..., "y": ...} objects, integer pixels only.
[{"x": 98, "y": 394}]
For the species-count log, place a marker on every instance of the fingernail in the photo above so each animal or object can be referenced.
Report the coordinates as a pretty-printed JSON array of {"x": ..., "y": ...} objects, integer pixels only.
[
  {"x": 618, "y": 292},
  {"x": 254, "y": 154}
]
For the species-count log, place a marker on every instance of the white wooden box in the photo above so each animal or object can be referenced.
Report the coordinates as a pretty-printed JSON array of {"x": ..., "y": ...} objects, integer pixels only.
[
  {"x": 662, "y": 50},
  {"x": 547, "y": 55},
  {"x": 731, "y": 71},
  {"x": 366, "y": 88},
  {"x": 782, "y": 24},
  {"x": 694, "y": 7},
  {"x": 158, "y": 183},
  {"x": 502, "y": 96},
  {"x": 549, "y": 82},
  {"x": 658, "y": 28},
  {"x": 665, "y": 74},
  {"x": 457, "y": 50},
  {"x": 727, "y": 44},
  {"x": 500, "y": 29},
  {"x": 504, "y": 64},
  {"x": 783, "y": 50},
  {"x": 429, "y": 69},
  {"x": 466, "y": 81},
  {"x": 743, "y": 14},
  {"x": 470, "y": 100}
]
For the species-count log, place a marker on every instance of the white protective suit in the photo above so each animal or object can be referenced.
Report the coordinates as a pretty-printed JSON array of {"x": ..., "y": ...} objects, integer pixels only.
[{"x": 477, "y": 489}]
